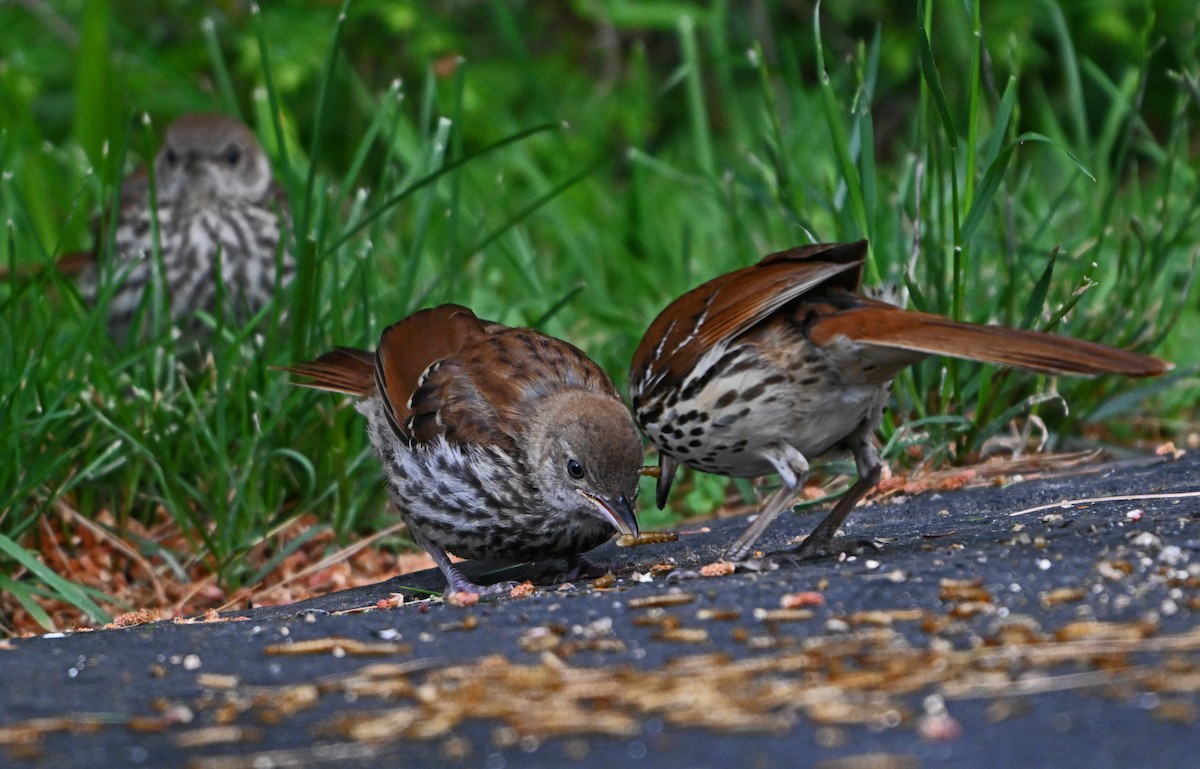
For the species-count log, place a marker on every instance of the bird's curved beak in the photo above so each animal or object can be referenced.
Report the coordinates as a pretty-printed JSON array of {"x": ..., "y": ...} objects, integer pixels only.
[
  {"x": 666, "y": 475},
  {"x": 618, "y": 512}
]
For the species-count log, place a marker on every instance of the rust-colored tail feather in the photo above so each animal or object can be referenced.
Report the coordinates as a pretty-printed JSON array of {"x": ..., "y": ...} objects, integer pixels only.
[
  {"x": 1029, "y": 350},
  {"x": 342, "y": 370}
]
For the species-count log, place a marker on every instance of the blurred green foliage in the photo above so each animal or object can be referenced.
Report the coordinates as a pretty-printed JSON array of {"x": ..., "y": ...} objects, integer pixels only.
[{"x": 87, "y": 69}]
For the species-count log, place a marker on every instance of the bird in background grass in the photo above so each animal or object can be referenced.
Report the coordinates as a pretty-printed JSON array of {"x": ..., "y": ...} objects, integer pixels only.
[{"x": 214, "y": 200}]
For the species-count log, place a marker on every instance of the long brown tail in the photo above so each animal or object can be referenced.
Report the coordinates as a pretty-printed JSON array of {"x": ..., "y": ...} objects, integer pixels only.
[
  {"x": 341, "y": 370},
  {"x": 920, "y": 332}
]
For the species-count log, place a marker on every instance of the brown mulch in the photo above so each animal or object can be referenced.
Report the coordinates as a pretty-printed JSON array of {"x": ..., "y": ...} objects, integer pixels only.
[{"x": 97, "y": 553}]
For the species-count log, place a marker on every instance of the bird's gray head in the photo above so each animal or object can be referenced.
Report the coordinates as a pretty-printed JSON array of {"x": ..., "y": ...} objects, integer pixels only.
[
  {"x": 586, "y": 457},
  {"x": 211, "y": 155}
]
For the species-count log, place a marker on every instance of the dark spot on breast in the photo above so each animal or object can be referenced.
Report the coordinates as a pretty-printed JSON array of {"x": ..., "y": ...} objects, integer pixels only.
[
  {"x": 753, "y": 392},
  {"x": 650, "y": 415},
  {"x": 698, "y": 430},
  {"x": 728, "y": 359},
  {"x": 729, "y": 397},
  {"x": 745, "y": 364},
  {"x": 694, "y": 387}
]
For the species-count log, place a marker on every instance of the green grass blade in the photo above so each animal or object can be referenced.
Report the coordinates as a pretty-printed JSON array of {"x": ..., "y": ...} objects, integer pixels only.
[
  {"x": 67, "y": 591},
  {"x": 995, "y": 173},
  {"x": 1069, "y": 67},
  {"x": 25, "y": 596},
  {"x": 1037, "y": 298},
  {"x": 841, "y": 144},
  {"x": 430, "y": 178},
  {"x": 305, "y": 295},
  {"x": 697, "y": 108},
  {"x": 225, "y": 88},
  {"x": 929, "y": 73}
]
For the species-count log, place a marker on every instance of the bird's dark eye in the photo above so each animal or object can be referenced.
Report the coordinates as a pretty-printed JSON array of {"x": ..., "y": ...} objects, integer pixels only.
[
  {"x": 574, "y": 469},
  {"x": 232, "y": 155},
  {"x": 172, "y": 157}
]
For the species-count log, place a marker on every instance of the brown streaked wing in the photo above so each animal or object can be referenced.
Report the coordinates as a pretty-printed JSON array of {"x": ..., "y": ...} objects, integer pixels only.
[
  {"x": 841, "y": 253},
  {"x": 407, "y": 349},
  {"x": 727, "y": 306},
  {"x": 488, "y": 392},
  {"x": 468, "y": 398},
  {"x": 342, "y": 369}
]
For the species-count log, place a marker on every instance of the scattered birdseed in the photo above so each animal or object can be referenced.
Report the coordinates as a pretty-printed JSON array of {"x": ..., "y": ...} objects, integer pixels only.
[
  {"x": 871, "y": 761},
  {"x": 682, "y": 635},
  {"x": 718, "y": 569},
  {"x": 665, "y": 599},
  {"x": 782, "y": 615},
  {"x": 522, "y": 590},
  {"x": 964, "y": 590},
  {"x": 1176, "y": 711},
  {"x": 1061, "y": 595},
  {"x": 797, "y": 600},
  {"x": 217, "y": 735},
  {"x": 216, "y": 681},
  {"x": 646, "y": 538},
  {"x": 335, "y": 645}
]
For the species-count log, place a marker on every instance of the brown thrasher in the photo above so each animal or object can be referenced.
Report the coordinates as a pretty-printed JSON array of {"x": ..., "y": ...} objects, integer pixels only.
[
  {"x": 760, "y": 370},
  {"x": 215, "y": 198},
  {"x": 496, "y": 442}
]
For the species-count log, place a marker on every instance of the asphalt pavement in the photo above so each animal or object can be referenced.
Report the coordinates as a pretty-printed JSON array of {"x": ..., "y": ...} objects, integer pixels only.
[{"x": 982, "y": 633}]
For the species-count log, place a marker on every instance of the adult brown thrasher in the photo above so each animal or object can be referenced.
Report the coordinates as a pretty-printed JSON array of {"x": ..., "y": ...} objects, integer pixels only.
[
  {"x": 496, "y": 442},
  {"x": 765, "y": 368}
]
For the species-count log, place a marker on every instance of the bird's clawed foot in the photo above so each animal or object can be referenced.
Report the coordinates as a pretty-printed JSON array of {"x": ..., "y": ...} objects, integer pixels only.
[
  {"x": 581, "y": 566},
  {"x": 461, "y": 591},
  {"x": 812, "y": 547}
]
